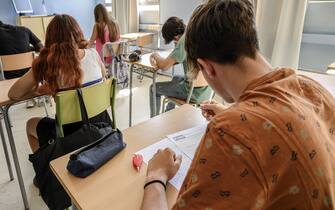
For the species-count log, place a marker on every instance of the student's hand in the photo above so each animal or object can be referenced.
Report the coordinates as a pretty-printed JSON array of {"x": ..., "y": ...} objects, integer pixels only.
[
  {"x": 163, "y": 166},
  {"x": 153, "y": 61},
  {"x": 210, "y": 109},
  {"x": 43, "y": 89}
]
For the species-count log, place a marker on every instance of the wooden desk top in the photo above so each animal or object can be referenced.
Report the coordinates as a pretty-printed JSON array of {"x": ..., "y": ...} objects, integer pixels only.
[
  {"x": 5, "y": 85},
  {"x": 134, "y": 36},
  {"x": 116, "y": 185},
  {"x": 145, "y": 59}
]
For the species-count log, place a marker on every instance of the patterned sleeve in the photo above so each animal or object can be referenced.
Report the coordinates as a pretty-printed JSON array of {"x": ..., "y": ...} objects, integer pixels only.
[{"x": 224, "y": 175}]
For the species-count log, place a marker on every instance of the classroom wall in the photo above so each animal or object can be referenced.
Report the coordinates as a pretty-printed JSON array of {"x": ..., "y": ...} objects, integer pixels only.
[
  {"x": 82, "y": 10},
  {"x": 318, "y": 42},
  {"x": 7, "y": 12}
]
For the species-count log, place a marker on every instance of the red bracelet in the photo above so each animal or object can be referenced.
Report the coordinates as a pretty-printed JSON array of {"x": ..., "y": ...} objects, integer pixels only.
[{"x": 155, "y": 181}]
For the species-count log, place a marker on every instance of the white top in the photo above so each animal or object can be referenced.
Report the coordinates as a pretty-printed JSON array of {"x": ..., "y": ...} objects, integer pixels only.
[{"x": 91, "y": 66}]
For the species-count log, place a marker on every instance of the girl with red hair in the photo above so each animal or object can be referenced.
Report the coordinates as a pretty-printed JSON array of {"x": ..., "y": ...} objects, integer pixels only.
[{"x": 64, "y": 63}]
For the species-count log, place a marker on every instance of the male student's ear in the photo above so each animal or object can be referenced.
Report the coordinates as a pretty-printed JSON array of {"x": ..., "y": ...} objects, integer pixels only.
[{"x": 207, "y": 67}]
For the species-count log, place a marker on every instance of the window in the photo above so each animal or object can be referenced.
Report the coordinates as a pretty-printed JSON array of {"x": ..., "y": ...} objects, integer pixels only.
[
  {"x": 317, "y": 51},
  {"x": 148, "y": 11},
  {"x": 108, "y": 4},
  {"x": 149, "y": 18}
]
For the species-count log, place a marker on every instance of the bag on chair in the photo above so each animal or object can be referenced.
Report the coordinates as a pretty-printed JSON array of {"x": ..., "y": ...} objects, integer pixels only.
[
  {"x": 117, "y": 68},
  {"x": 51, "y": 190}
]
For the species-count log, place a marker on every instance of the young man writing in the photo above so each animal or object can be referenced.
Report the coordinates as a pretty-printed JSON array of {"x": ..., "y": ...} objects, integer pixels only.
[
  {"x": 273, "y": 149},
  {"x": 179, "y": 87}
]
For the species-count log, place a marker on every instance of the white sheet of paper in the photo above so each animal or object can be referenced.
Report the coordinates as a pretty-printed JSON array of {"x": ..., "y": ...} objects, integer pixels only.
[
  {"x": 182, "y": 143},
  {"x": 188, "y": 140}
]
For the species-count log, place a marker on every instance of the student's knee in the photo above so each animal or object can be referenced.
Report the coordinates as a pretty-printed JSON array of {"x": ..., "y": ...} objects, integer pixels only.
[{"x": 31, "y": 126}]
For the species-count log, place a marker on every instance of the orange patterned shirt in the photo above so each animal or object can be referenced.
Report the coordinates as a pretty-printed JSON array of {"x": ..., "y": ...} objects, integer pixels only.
[{"x": 274, "y": 149}]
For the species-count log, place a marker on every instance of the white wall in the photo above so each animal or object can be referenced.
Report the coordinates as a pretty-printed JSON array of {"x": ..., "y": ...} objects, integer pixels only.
[{"x": 180, "y": 8}]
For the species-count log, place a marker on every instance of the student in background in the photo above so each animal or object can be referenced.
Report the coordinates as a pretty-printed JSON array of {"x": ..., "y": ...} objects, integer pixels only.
[
  {"x": 273, "y": 149},
  {"x": 105, "y": 29},
  {"x": 15, "y": 40},
  {"x": 173, "y": 30},
  {"x": 64, "y": 63}
]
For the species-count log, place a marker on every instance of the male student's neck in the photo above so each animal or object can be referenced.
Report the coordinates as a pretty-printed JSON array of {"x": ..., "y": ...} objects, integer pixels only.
[{"x": 249, "y": 70}]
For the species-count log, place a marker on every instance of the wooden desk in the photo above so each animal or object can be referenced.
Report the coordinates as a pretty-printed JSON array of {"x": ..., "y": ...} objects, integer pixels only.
[
  {"x": 5, "y": 104},
  {"x": 116, "y": 185},
  {"x": 139, "y": 39},
  {"x": 5, "y": 85},
  {"x": 134, "y": 36},
  {"x": 144, "y": 68}
]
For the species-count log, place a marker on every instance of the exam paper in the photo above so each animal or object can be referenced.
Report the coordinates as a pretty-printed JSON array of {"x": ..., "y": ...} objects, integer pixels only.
[
  {"x": 182, "y": 143},
  {"x": 188, "y": 140}
]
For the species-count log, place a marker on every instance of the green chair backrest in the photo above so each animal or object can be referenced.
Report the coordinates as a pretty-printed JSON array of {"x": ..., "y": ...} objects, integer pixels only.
[{"x": 97, "y": 98}]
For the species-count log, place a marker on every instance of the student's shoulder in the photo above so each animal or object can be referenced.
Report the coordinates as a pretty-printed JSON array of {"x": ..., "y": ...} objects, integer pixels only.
[
  {"x": 23, "y": 29},
  {"x": 239, "y": 121},
  {"x": 230, "y": 118}
]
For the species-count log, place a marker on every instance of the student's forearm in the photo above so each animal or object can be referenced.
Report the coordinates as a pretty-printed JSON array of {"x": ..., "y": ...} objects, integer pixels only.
[
  {"x": 154, "y": 198},
  {"x": 164, "y": 64}
]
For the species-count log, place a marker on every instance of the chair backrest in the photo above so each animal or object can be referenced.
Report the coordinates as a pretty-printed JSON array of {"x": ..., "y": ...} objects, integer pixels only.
[
  {"x": 144, "y": 40},
  {"x": 111, "y": 49},
  {"x": 200, "y": 81},
  {"x": 97, "y": 98},
  {"x": 16, "y": 61}
]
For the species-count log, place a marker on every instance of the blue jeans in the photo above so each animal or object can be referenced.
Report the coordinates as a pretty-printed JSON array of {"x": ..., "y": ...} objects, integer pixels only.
[{"x": 173, "y": 88}]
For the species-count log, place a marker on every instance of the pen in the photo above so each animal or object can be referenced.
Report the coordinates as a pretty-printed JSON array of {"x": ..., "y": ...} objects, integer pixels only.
[{"x": 137, "y": 161}]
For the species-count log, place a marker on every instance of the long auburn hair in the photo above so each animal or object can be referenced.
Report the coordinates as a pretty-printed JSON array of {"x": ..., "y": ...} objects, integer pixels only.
[
  {"x": 102, "y": 19},
  {"x": 58, "y": 65}
]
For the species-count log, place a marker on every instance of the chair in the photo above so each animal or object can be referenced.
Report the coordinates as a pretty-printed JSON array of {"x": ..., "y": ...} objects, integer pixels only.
[
  {"x": 97, "y": 98},
  {"x": 198, "y": 82},
  {"x": 115, "y": 50},
  {"x": 17, "y": 62},
  {"x": 10, "y": 62}
]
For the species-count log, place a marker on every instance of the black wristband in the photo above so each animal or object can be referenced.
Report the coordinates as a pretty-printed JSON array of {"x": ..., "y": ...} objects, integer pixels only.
[{"x": 155, "y": 181}]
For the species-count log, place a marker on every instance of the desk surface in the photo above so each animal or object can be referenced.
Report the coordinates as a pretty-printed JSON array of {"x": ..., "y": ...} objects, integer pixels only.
[
  {"x": 116, "y": 185},
  {"x": 5, "y": 85},
  {"x": 145, "y": 59},
  {"x": 134, "y": 36}
]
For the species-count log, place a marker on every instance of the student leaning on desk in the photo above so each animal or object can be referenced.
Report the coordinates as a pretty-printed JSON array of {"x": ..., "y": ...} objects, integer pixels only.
[
  {"x": 273, "y": 149},
  {"x": 64, "y": 63},
  {"x": 173, "y": 30}
]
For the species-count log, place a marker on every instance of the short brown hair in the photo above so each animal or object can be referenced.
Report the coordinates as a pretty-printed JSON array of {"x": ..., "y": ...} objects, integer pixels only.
[
  {"x": 174, "y": 26},
  {"x": 222, "y": 31}
]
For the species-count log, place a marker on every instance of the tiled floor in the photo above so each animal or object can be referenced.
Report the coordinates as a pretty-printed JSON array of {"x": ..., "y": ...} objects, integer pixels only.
[{"x": 10, "y": 197}]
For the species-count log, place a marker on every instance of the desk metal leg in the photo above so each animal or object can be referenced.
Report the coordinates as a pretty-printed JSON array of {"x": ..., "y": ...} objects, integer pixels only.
[
  {"x": 4, "y": 145},
  {"x": 5, "y": 110},
  {"x": 131, "y": 94},
  {"x": 154, "y": 92}
]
